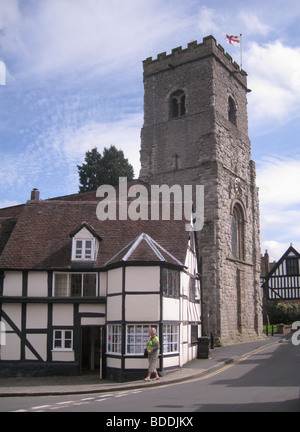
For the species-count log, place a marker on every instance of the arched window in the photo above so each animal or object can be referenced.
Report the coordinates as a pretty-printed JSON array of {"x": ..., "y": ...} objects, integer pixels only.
[
  {"x": 238, "y": 233},
  {"x": 177, "y": 104},
  {"x": 231, "y": 111}
]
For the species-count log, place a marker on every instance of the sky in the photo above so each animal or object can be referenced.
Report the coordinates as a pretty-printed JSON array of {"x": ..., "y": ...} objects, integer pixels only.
[{"x": 74, "y": 81}]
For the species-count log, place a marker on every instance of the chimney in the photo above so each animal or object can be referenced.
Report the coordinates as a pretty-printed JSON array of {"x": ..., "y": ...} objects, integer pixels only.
[
  {"x": 35, "y": 195},
  {"x": 267, "y": 262}
]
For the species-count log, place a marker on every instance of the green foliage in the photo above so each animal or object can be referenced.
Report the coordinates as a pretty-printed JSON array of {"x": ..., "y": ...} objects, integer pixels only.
[
  {"x": 103, "y": 169},
  {"x": 285, "y": 312}
]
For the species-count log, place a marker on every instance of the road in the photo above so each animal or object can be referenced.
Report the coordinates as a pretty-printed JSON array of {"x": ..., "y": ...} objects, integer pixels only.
[{"x": 265, "y": 381}]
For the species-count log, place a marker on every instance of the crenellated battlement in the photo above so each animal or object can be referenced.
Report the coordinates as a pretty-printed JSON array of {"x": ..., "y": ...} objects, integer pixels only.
[{"x": 194, "y": 51}]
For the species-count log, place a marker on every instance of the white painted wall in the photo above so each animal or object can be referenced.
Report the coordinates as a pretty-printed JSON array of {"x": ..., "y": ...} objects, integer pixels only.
[
  {"x": 39, "y": 343},
  {"x": 12, "y": 284},
  {"x": 114, "y": 281},
  {"x": 142, "y": 279},
  {"x": 114, "y": 308},
  {"x": 37, "y": 316},
  {"x": 171, "y": 309},
  {"x": 63, "y": 315},
  {"x": 142, "y": 308},
  {"x": 37, "y": 284}
]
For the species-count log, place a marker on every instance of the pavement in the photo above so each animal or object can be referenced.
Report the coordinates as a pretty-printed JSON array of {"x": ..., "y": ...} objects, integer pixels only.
[{"x": 91, "y": 383}]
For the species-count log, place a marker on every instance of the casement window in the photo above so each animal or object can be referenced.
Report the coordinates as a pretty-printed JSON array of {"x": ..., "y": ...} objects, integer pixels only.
[
  {"x": 62, "y": 340},
  {"x": 171, "y": 283},
  {"x": 75, "y": 285},
  {"x": 170, "y": 338},
  {"x": 137, "y": 336},
  {"x": 83, "y": 250},
  {"x": 114, "y": 339},
  {"x": 238, "y": 233}
]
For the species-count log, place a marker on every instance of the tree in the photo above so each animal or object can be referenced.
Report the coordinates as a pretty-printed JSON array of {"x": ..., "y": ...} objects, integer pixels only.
[{"x": 103, "y": 169}]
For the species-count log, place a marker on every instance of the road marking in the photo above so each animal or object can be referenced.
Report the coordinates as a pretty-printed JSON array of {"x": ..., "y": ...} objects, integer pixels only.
[
  {"x": 64, "y": 403},
  {"x": 83, "y": 401},
  {"x": 40, "y": 407},
  {"x": 234, "y": 363}
]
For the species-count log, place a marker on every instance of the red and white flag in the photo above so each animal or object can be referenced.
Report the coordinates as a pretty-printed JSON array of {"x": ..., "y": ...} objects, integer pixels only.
[{"x": 233, "y": 40}]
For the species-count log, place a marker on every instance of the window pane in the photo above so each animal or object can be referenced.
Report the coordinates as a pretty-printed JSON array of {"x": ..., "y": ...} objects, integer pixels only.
[
  {"x": 114, "y": 338},
  {"x": 57, "y": 344},
  {"x": 58, "y": 334},
  {"x": 292, "y": 267},
  {"x": 171, "y": 283},
  {"x": 76, "y": 280},
  {"x": 88, "y": 249},
  {"x": 234, "y": 236},
  {"x": 68, "y": 344},
  {"x": 137, "y": 337},
  {"x": 68, "y": 335},
  {"x": 61, "y": 285},
  {"x": 89, "y": 285},
  {"x": 78, "y": 248},
  {"x": 170, "y": 338}
]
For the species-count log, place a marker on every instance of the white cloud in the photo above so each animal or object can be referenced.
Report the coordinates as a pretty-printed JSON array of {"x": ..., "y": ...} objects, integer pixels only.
[
  {"x": 278, "y": 180},
  {"x": 208, "y": 21},
  {"x": 124, "y": 134},
  {"x": 274, "y": 78},
  {"x": 56, "y": 152},
  {"x": 252, "y": 25},
  {"x": 277, "y": 249},
  {"x": 8, "y": 203},
  {"x": 59, "y": 36}
]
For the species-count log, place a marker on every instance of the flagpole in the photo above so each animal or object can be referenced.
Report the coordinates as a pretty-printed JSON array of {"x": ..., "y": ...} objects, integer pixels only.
[{"x": 241, "y": 47}]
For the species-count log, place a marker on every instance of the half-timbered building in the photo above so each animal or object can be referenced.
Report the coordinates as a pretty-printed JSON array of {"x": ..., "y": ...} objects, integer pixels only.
[
  {"x": 77, "y": 293},
  {"x": 283, "y": 281}
]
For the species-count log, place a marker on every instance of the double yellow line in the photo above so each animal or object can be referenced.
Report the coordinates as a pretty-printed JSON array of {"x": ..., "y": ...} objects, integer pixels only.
[{"x": 233, "y": 363}]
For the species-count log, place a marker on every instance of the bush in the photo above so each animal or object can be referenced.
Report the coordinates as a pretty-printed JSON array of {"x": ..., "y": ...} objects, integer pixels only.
[{"x": 285, "y": 312}]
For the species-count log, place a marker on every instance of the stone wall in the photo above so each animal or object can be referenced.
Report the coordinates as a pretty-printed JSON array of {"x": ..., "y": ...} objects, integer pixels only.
[{"x": 204, "y": 147}]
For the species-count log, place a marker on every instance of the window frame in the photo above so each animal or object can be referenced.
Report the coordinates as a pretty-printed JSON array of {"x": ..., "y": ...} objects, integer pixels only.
[
  {"x": 177, "y": 104},
  {"x": 83, "y": 256},
  {"x": 63, "y": 339},
  {"x": 69, "y": 284},
  {"x": 114, "y": 331},
  {"x": 144, "y": 336},
  {"x": 238, "y": 233},
  {"x": 174, "y": 290},
  {"x": 170, "y": 331},
  {"x": 292, "y": 266},
  {"x": 194, "y": 333}
]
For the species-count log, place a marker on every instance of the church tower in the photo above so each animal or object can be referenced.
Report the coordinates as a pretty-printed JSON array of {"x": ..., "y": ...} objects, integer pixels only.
[{"x": 195, "y": 132}]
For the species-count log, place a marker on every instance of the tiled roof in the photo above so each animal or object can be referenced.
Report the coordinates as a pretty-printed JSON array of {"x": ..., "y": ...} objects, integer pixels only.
[
  {"x": 41, "y": 238},
  {"x": 144, "y": 248}
]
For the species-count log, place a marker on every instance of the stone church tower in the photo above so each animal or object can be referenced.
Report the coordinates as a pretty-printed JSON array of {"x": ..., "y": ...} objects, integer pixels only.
[{"x": 196, "y": 132}]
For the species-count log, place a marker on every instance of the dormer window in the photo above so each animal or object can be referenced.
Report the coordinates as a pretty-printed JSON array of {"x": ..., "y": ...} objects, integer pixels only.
[
  {"x": 85, "y": 244},
  {"x": 84, "y": 249}
]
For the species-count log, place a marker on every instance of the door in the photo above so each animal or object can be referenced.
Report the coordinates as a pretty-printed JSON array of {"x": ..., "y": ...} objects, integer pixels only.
[{"x": 92, "y": 350}]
